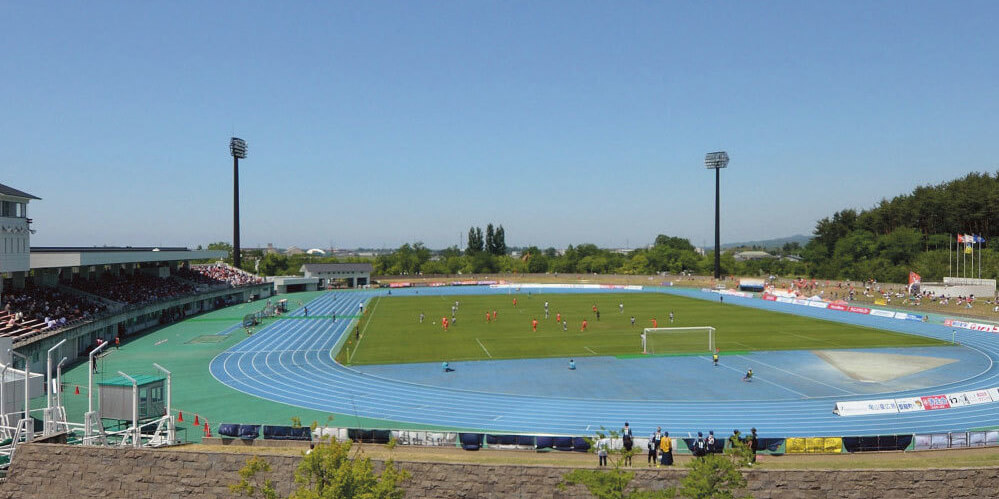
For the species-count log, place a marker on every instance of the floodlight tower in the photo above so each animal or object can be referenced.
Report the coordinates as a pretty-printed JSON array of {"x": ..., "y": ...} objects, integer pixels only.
[
  {"x": 237, "y": 147},
  {"x": 716, "y": 161}
]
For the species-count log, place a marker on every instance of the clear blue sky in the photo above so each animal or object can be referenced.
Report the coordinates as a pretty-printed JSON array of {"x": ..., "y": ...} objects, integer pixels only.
[{"x": 377, "y": 123}]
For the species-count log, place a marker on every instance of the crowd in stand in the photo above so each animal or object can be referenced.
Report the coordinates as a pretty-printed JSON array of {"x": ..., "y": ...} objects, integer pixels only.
[
  {"x": 134, "y": 289},
  {"x": 212, "y": 274},
  {"x": 871, "y": 289},
  {"x": 38, "y": 308}
]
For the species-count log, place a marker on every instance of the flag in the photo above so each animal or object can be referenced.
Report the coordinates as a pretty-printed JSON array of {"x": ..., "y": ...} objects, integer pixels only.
[
  {"x": 960, "y": 238},
  {"x": 969, "y": 239},
  {"x": 967, "y": 250},
  {"x": 914, "y": 278},
  {"x": 979, "y": 239}
]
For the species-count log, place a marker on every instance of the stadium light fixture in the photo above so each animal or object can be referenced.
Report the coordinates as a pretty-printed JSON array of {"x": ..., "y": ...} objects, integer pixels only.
[
  {"x": 716, "y": 161},
  {"x": 237, "y": 147}
]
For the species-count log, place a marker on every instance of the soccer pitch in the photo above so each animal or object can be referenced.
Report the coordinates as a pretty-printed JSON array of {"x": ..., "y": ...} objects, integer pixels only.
[{"x": 392, "y": 332}]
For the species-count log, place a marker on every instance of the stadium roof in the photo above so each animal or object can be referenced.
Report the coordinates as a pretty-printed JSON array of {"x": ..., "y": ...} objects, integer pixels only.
[
  {"x": 49, "y": 257},
  {"x": 337, "y": 267},
  {"x": 7, "y": 190}
]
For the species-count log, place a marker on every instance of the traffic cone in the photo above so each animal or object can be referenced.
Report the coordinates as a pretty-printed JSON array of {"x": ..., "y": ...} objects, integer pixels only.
[
  {"x": 208, "y": 430},
  {"x": 196, "y": 423},
  {"x": 77, "y": 390},
  {"x": 180, "y": 416}
]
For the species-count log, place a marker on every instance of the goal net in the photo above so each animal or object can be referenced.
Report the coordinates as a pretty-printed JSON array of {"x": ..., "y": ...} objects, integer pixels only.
[{"x": 696, "y": 339}]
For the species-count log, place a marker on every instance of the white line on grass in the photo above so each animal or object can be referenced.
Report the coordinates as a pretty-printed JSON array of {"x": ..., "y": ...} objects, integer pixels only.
[
  {"x": 377, "y": 300},
  {"x": 588, "y": 349},
  {"x": 483, "y": 348}
]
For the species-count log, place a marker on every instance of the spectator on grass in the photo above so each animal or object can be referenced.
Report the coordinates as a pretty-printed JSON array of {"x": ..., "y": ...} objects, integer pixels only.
[
  {"x": 653, "y": 446},
  {"x": 628, "y": 441},
  {"x": 602, "y": 452},
  {"x": 753, "y": 442},
  {"x": 699, "y": 449},
  {"x": 666, "y": 450},
  {"x": 710, "y": 443}
]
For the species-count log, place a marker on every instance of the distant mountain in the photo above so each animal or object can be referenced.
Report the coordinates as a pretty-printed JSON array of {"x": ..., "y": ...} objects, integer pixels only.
[{"x": 771, "y": 243}]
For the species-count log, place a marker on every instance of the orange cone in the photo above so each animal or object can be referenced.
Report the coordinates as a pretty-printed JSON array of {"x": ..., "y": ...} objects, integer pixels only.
[
  {"x": 196, "y": 423},
  {"x": 77, "y": 390},
  {"x": 180, "y": 416},
  {"x": 208, "y": 430}
]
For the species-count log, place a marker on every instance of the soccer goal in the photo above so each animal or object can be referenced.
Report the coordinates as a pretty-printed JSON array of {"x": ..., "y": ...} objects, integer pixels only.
[{"x": 678, "y": 339}]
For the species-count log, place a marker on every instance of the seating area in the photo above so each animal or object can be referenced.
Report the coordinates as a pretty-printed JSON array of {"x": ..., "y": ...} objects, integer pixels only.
[
  {"x": 219, "y": 274},
  {"x": 35, "y": 309},
  {"x": 134, "y": 289}
]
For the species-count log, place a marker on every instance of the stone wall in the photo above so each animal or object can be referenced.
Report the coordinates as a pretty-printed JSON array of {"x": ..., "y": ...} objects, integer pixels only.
[{"x": 62, "y": 471}]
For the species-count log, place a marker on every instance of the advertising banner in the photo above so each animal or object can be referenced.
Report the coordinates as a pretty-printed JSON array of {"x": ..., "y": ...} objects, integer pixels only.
[
  {"x": 909, "y": 404},
  {"x": 858, "y": 310},
  {"x": 769, "y": 297},
  {"x": 818, "y": 304},
  {"x": 957, "y": 400},
  {"x": 974, "y": 326},
  {"x": 864, "y": 407},
  {"x": 994, "y": 393},
  {"x": 837, "y": 306},
  {"x": 934, "y": 402},
  {"x": 908, "y": 317},
  {"x": 978, "y": 397},
  {"x": 784, "y": 299},
  {"x": 882, "y": 313}
]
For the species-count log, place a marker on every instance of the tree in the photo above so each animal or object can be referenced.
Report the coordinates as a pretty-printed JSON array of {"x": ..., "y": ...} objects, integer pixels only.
[
  {"x": 330, "y": 471},
  {"x": 475, "y": 242},
  {"x": 499, "y": 241},
  {"x": 222, "y": 246},
  {"x": 249, "y": 485},
  {"x": 490, "y": 239},
  {"x": 714, "y": 476}
]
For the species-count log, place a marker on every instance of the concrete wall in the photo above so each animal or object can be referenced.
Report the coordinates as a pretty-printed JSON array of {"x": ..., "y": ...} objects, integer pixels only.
[{"x": 50, "y": 470}]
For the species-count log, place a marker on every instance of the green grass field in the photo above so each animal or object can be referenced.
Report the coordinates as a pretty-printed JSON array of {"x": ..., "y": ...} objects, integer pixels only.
[{"x": 392, "y": 332}]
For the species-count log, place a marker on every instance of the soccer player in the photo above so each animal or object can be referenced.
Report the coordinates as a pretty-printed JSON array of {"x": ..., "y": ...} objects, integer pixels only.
[
  {"x": 670, "y": 316},
  {"x": 584, "y": 326},
  {"x": 488, "y": 319},
  {"x": 515, "y": 302},
  {"x": 565, "y": 325},
  {"x": 633, "y": 320},
  {"x": 558, "y": 317},
  {"x": 655, "y": 323},
  {"x": 534, "y": 325},
  {"x": 714, "y": 358},
  {"x": 594, "y": 308},
  {"x": 421, "y": 317},
  {"x": 598, "y": 315},
  {"x": 620, "y": 307},
  {"x": 494, "y": 315}
]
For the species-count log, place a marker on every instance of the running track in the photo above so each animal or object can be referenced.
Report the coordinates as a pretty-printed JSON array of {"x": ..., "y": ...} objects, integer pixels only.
[{"x": 290, "y": 362}]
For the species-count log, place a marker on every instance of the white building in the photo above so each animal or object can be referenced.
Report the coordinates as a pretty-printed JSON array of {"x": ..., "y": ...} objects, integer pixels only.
[{"x": 15, "y": 232}]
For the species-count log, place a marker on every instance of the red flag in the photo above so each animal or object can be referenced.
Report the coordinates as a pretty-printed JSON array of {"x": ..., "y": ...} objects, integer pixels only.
[
  {"x": 914, "y": 278},
  {"x": 960, "y": 238}
]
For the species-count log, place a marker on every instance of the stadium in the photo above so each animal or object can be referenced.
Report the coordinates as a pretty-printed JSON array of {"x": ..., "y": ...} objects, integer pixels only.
[{"x": 141, "y": 348}]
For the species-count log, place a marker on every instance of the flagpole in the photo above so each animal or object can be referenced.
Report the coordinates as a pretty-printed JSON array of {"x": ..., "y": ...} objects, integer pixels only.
[{"x": 950, "y": 256}]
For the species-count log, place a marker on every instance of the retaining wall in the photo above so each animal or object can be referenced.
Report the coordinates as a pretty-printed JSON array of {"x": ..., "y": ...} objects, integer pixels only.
[{"x": 51, "y": 470}]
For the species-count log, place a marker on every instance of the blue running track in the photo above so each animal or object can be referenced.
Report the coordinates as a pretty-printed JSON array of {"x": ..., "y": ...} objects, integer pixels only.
[{"x": 290, "y": 362}]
